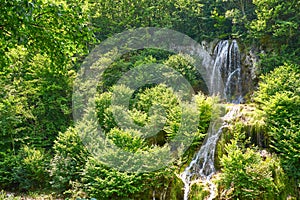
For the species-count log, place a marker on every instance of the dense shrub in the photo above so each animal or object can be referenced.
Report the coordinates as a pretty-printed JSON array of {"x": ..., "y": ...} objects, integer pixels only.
[
  {"x": 276, "y": 27},
  {"x": 25, "y": 171},
  {"x": 129, "y": 140},
  {"x": 104, "y": 114},
  {"x": 246, "y": 174},
  {"x": 105, "y": 183},
  {"x": 36, "y": 98},
  {"x": 153, "y": 108},
  {"x": 127, "y": 62},
  {"x": 279, "y": 97},
  {"x": 31, "y": 171},
  {"x": 147, "y": 108},
  {"x": 102, "y": 182},
  {"x": 69, "y": 160},
  {"x": 184, "y": 64},
  {"x": 8, "y": 160}
]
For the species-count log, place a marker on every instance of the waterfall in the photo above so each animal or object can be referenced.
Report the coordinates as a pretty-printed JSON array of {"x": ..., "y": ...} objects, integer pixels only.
[
  {"x": 225, "y": 81},
  {"x": 202, "y": 166}
]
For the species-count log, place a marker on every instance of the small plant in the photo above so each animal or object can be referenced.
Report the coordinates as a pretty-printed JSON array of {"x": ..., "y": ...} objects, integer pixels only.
[{"x": 8, "y": 196}]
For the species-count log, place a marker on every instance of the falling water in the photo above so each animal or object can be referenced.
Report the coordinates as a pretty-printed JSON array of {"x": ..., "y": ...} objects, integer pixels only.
[
  {"x": 202, "y": 166},
  {"x": 225, "y": 81}
]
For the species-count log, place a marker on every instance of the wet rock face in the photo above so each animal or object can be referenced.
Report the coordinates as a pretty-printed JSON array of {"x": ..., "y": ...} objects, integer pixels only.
[
  {"x": 249, "y": 70},
  {"x": 242, "y": 82}
]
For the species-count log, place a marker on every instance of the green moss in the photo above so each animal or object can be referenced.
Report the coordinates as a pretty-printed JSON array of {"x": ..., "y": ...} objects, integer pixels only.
[
  {"x": 198, "y": 191},
  {"x": 175, "y": 191}
]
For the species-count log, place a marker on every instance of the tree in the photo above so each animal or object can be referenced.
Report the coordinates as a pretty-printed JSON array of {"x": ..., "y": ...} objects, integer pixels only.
[
  {"x": 41, "y": 42},
  {"x": 277, "y": 29}
]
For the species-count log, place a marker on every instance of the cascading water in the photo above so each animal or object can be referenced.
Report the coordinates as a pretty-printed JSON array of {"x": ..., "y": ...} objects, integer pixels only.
[
  {"x": 225, "y": 81},
  {"x": 202, "y": 166}
]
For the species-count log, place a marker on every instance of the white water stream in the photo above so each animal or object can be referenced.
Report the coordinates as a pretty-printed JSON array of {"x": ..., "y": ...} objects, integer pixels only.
[
  {"x": 202, "y": 166},
  {"x": 225, "y": 81}
]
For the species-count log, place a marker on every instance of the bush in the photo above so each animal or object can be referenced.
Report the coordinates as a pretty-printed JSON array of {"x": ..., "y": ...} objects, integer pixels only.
[
  {"x": 157, "y": 113},
  {"x": 7, "y": 163},
  {"x": 129, "y": 140},
  {"x": 158, "y": 95},
  {"x": 128, "y": 61},
  {"x": 27, "y": 170},
  {"x": 286, "y": 142},
  {"x": 143, "y": 108},
  {"x": 102, "y": 182},
  {"x": 31, "y": 171},
  {"x": 184, "y": 64},
  {"x": 279, "y": 97},
  {"x": 203, "y": 112},
  {"x": 104, "y": 114},
  {"x": 245, "y": 175},
  {"x": 68, "y": 161},
  {"x": 248, "y": 175}
]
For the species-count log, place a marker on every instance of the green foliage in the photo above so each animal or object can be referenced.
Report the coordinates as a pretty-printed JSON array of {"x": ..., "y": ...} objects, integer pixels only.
[
  {"x": 68, "y": 161},
  {"x": 159, "y": 95},
  {"x": 277, "y": 29},
  {"x": 122, "y": 15},
  {"x": 28, "y": 170},
  {"x": 129, "y": 140},
  {"x": 4, "y": 195},
  {"x": 247, "y": 175},
  {"x": 104, "y": 114},
  {"x": 278, "y": 18},
  {"x": 175, "y": 189},
  {"x": 142, "y": 113},
  {"x": 201, "y": 20},
  {"x": 140, "y": 105},
  {"x": 279, "y": 98},
  {"x": 249, "y": 120},
  {"x": 228, "y": 19},
  {"x": 38, "y": 98},
  {"x": 198, "y": 191},
  {"x": 127, "y": 62},
  {"x": 31, "y": 169},
  {"x": 11, "y": 112},
  {"x": 7, "y": 163},
  {"x": 207, "y": 111},
  {"x": 40, "y": 43},
  {"x": 58, "y": 28},
  {"x": 286, "y": 143},
  {"x": 184, "y": 64},
  {"x": 13, "y": 108},
  {"x": 283, "y": 80},
  {"x": 104, "y": 183},
  {"x": 203, "y": 112}
]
